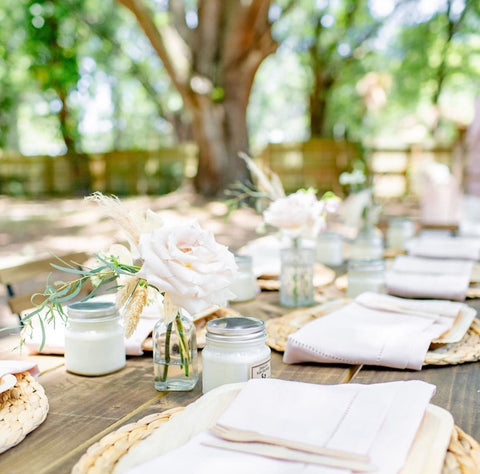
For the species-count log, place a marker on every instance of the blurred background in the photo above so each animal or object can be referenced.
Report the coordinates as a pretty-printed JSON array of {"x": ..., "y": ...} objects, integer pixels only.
[{"x": 137, "y": 97}]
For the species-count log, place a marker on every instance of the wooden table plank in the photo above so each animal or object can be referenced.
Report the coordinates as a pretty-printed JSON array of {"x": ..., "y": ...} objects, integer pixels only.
[{"x": 84, "y": 409}]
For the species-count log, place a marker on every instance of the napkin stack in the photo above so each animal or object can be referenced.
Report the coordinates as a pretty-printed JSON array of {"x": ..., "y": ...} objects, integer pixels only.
[
  {"x": 379, "y": 420},
  {"x": 418, "y": 277},
  {"x": 374, "y": 329},
  {"x": 445, "y": 247}
]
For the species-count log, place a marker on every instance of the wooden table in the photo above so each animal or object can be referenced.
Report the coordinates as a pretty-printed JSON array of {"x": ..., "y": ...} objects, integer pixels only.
[{"x": 84, "y": 409}]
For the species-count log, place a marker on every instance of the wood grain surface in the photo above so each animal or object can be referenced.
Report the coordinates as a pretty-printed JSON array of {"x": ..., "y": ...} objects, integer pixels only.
[{"x": 84, "y": 409}]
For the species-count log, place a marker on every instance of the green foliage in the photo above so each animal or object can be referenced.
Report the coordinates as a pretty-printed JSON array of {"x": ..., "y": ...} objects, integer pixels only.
[
  {"x": 80, "y": 74},
  {"x": 59, "y": 293}
]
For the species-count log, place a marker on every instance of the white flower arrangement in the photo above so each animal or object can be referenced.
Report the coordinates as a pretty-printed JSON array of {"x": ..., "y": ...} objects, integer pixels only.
[
  {"x": 181, "y": 263},
  {"x": 297, "y": 215}
]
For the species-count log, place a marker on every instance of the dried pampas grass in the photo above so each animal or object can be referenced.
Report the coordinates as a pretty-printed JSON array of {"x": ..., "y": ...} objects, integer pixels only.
[
  {"x": 132, "y": 223},
  {"x": 134, "y": 309}
]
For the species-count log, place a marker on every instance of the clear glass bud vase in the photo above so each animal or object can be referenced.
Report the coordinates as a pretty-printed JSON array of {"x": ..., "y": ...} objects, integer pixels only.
[
  {"x": 296, "y": 276},
  {"x": 175, "y": 357}
]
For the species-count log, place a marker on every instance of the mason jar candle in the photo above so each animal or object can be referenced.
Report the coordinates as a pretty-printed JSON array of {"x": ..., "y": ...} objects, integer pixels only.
[
  {"x": 94, "y": 341},
  {"x": 365, "y": 275},
  {"x": 399, "y": 231},
  {"x": 367, "y": 245},
  {"x": 329, "y": 249},
  {"x": 235, "y": 351},
  {"x": 244, "y": 286}
]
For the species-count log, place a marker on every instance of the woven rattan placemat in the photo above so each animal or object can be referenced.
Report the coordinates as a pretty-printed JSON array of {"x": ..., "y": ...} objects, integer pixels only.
[
  {"x": 466, "y": 350},
  {"x": 463, "y": 454},
  {"x": 22, "y": 409}
]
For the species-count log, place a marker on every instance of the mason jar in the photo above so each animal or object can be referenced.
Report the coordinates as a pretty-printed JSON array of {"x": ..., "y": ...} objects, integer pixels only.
[
  {"x": 94, "y": 340},
  {"x": 329, "y": 249},
  {"x": 399, "y": 231},
  {"x": 244, "y": 286},
  {"x": 367, "y": 245},
  {"x": 235, "y": 351},
  {"x": 365, "y": 275}
]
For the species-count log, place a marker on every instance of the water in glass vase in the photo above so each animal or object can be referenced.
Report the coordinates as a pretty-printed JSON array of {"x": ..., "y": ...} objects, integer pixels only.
[
  {"x": 175, "y": 355},
  {"x": 176, "y": 378}
]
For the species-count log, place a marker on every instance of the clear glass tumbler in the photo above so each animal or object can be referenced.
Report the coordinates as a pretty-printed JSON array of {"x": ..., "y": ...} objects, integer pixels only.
[{"x": 365, "y": 275}]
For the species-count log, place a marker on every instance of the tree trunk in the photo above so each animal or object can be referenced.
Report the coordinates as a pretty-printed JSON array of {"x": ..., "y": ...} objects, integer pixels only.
[
  {"x": 318, "y": 104},
  {"x": 220, "y": 131},
  {"x": 80, "y": 170},
  {"x": 213, "y": 67}
]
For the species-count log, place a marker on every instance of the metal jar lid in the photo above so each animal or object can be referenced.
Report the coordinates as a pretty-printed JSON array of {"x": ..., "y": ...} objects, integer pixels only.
[
  {"x": 235, "y": 329},
  {"x": 90, "y": 310}
]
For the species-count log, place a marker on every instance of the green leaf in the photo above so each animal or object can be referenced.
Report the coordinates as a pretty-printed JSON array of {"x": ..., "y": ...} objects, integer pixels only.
[
  {"x": 68, "y": 270},
  {"x": 42, "y": 344}
]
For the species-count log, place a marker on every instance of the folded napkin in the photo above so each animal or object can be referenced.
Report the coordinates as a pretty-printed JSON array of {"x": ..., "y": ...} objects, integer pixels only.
[
  {"x": 416, "y": 277},
  {"x": 55, "y": 335},
  {"x": 8, "y": 369},
  {"x": 379, "y": 420},
  {"x": 445, "y": 247},
  {"x": 360, "y": 333}
]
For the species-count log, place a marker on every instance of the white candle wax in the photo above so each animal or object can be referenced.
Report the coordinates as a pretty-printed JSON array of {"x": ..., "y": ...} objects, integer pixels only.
[
  {"x": 244, "y": 287},
  {"x": 399, "y": 232},
  {"x": 359, "y": 283},
  {"x": 94, "y": 341},
  {"x": 329, "y": 249},
  {"x": 224, "y": 364},
  {"x": 365, "y": 275},
  {"x": 93, "y": 349}
]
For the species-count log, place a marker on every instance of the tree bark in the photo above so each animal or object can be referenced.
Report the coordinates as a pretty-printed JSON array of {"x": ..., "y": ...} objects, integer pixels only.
[
  {"x": 323, "y": 84},
  {"x": 213, "y": 67}
]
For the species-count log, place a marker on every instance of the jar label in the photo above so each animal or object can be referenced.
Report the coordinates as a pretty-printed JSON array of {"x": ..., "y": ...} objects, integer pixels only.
[{"x": 260, "y": 370}]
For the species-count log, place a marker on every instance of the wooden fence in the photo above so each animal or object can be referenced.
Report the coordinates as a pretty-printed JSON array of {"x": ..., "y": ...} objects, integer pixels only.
[
  {"x": 317, "y": 163},
  {"x": 119, "y": 172}
]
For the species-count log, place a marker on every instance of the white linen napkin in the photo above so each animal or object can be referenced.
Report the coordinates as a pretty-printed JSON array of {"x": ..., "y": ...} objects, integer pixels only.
[
  {"x": 380, "y": 420},
  {"x": 416, "y": 277},
  {"x": 358, "y": 334},
  {"x": 445, "y": 247},
  {"x": 428, "y": 308},
  {"x": 8, "y": 369}
]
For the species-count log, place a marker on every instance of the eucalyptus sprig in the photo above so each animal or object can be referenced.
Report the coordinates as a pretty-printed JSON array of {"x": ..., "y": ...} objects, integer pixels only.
[
  {"x": 49, "y": 304},
  {"x": 243, "y": 195}
]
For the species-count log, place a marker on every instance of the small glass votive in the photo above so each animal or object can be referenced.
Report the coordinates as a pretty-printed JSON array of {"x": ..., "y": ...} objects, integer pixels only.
[
  {"x": 365, "y": 275},
  {"x": 367, "y": 245},
  {"x": 235, "y": 351},
  {"x": 244, "y": 286},
  {"x": 329, "y": 250},
  {"x": 399, "y": 231},
  {"x": 296, "y": 276}
]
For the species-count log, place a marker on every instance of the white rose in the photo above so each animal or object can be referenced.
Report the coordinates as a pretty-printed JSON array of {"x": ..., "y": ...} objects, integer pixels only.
[
  {"x": 187, "y": 263},
  {"x": 298, "y": 214}
]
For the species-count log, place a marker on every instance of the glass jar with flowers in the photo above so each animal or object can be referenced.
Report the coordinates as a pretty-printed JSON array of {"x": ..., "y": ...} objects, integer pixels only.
[
  {"x": 180, "y": 265},
  {"x": 298, "y": 215}
]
